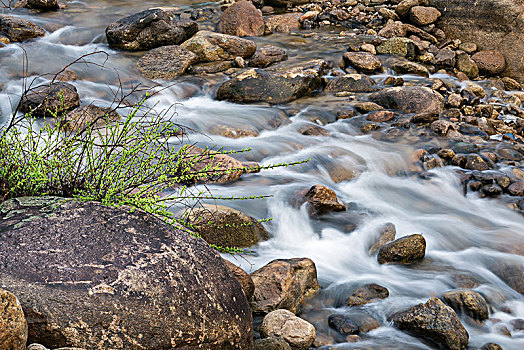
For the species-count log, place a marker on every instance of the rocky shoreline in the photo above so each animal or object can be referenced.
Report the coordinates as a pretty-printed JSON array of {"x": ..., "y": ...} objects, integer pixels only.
[{"x": 404, "y": 74}]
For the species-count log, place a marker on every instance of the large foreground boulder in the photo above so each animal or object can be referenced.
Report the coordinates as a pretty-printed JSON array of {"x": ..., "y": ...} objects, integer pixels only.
[
  {"x": 14, "y": 29},
  {"x": 409, "y": 99},
  {"x": 95, "y": 277},
  {"x": 283, "y": 284},
  {"x": 13, "y": 326},
  {"x": 275, "y": 86},
  {"x": 436, "y": 321},
  {"x": 491, "y": 24},
  {"x": 149, "y": 29}
]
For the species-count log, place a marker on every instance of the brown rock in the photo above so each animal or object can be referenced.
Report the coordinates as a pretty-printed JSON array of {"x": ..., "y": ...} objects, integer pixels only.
[
  {"x": 311, "y": 129},
  {"x": 283, "y": 284},
  {"x": 282, "y": 23},
  {"x": 351, "y": 83},
  {"x": 210, "y": 47},
  {"x": 422, "y": 15},
  {"x": 386, "y": 234},
  {"x": 166, "y": 62},
  {"x": 323, "y": 200},
  {"x": 468, "y": 301},
  {"x": 490, "y": 62},
  {"x": 367, "y": 294},
  {"x": 272, "y": 343},
  {"x": 17, "y": 29},
  {"x": 466, "y": 65},
  {"x": 243, "y": 278},
  {"x": 391, "y": 30},
  {"x": 362, "y": 61},
  {"x": 13, "y": 326},
  {"x": 380, "y": 116},
  {"x": 267, "y": 55},
  {"x": 404, "y": 66},
  {"x": 241, "y": 19},
  {"x": 47, "y": 5},
  {"x": 210, "y": 67},
  {"x": 409, "y": 99},
  {"x": 58, "y": 97},
  {"x": 436, "y": 321},
  {"x": 516, "y": 189},
  {"x": 299, "y": 333},
  {"x": 475, "y": 162},
  {"x": 405, "y": 250},
  {"x": 405, "y": 5},
  {"x": 491, "y": 346}
]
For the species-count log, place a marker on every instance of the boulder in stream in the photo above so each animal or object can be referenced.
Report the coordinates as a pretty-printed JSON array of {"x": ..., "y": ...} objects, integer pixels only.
[
  {"x": 386, "y": 234},
  {"x": 241, "y": 19},
  {"x": 166, "y": 62},
  {"x": 13, "y": 325},
  {"x": 367, "y": 294},
  {"x": 57, "y": 97},
  {"x": 469, "y": 302},
  {"x": 409, "y": 99},
  {"x": 210, "y": 46},
  {"x": 322, "y": 200},
  {"x": 267, "y": 55},
  {"x": 436, "y": 321},
  {"x": 362, "y": 61},
  {"x": 283, "y": 284},
  {"x": 13, "y": 29},
  {"x": 47, "y": 5},
  {"x": 96, "y": 277},
  {"x": 149, "y": 29},
  {"x": 405, "y": 250},
  {"x": 299, "y": 333}
]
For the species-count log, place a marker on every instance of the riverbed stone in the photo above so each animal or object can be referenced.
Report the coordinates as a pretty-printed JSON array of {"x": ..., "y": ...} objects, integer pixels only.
[
  {"x": 445, "y": 57},
  {"x": 299, "y": 333},
  {"x": 491, "y": 346},
  {"x": 468, "y": 301},
  {"x": 283, "y": 284},
  {"x": 210, "y": 67},
  {"x": 80, "y": 117},
  {"x": 404, "y": 6},
  {"x": 243, "y": 278},
  {"x": 342, "y": 324},
  {"x": 57, "y": 97},
  {"x": 267, "y": 55},
  {"x": 404, "y": 66},
  {"x": 367, "y": 294},
  {"x": 364, "y": 62},
  {"x": 274, "y": 85},
  {"x": 512, "y": 273},
  {"x": 409, "y": 99},
  {"x": 16, "y": 29},
  {"x": 322, "y": 200},
  {"x": 490, "y": 62},
  {"x": 405, "y": 250},
  {"x": 210, "y": 46},
  {"x": 423, "y": 15},
  {"x": 475, "y": 162},
  {"x": 13, "y": 325},
  {"x": 272, "y": 343},
  {"x": 241, "y": 19},
  {"x": 516, "y": 188},
  {"x": 351, "y": 83},
  {"x": 97, "y": 277},
  {"x": 393, "y": 29},
  {"x": 149, "y": 29},
  {"x": 436, "y": 321},
  {"x": 380, "y": 116},
  {"x": 466, "y": 65},
  {"x": 226, "y": 227},
  {"x": 386, "y": 234},
  {"x": 283, "y": 23},
  {"x": 398, "y": 46},
  {"x": 166, "y": 62},
  {"x": 46, "y": 5}
]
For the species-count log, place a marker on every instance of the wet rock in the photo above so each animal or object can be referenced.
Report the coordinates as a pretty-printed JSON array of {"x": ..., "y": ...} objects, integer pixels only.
[
  {"x": 491, "y": 346},
  {"x": 391, "y": 30},
  {"x": 272, "y": 343},
  {"x": 79, "y": 118},
  {"x": 283, "y": 284},
  {"x": 511, "y": 273},
  {"x": 13, "y": 325},
  {"x": 282, "y": 23},
  {"x": 386, "y": 234},
  {"x": 311, "y": 129},
  {"x": 275, "y": 86},
  {"x": 243, "y": 278},
  {"x": 210, "y": 47},
  {"x": 436, "y": 321},
  {"x": 511, "y": 84},
  {"x": 441, "y": 127},
  {"x": 422, "y": 15},
  {"x": 516, "y": 189},
  {"x": 492, "y": 190},
  {"x": 241, "y": 19},
  {"x": 365, "y": 107},
  {"x": 490, "y": 62},
  {"x": 210, "y": 166},
  {"x": 380, "y": 116},
  {"x": 404, "y": 66},
  {"x": 362, "y": 61},
  {"x": 322, "y": 200},
  {"x": 210, "y": 67},
  {"x": 226, "y": 227},
  {"x": 468, "y": 301},
  {"x": 234, "y": 132},
  {"x": 405, "y": 5},
  {"x": 475, "y": 162},
  {"x": 47, "y": 5},
  {"x": 299, "y": 333},
  {"x": 16, "y": 29},
  {"x": 149, "y": 29},
  {"x": 352, "y": 83},
  {"x": 67, "y": 75},
  {"x": 465, "y": 281},
  {"x": 366, "y": 294},
  {"x": 365, "y": 322},
  {"x": 466, "y": 65},
  {"x": 58, "y": 97},
  {"x": 398, "y": 46},
  {"x": 138, "y": 282},
  {"x": 445, "y": 58},
  {"x": 409, "y": 99},
  {"x": 166, "y": 62},
  {"x": 405, "y": 250},
  {"x": 267, "y": 55},
  {"x": 342, "y": 324}
]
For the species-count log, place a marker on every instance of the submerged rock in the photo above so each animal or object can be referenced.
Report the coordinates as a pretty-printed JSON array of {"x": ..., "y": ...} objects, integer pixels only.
[
  {"x": 149, "y": 29},
  {"x": 436, "y": 321},
  {"x": 96, "y": 277},
  {"x": 405, "y": 250},
  {"x": 342, "y": 324},
  {"x": 274, "y": 86},
  {"x": 13, "y": 325},
  {"x": 226, "y": 227},
  {"x": 299, "y": 333},
  {"x": 283, "y": 284},
  {"x": 14, "y": 29},
  {"x": 468, "y": 301},
  {"x": 57, "y": 97}
]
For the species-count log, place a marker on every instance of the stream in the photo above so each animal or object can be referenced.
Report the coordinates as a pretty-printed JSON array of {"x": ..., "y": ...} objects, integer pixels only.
[{"x": 371, "y": 173}]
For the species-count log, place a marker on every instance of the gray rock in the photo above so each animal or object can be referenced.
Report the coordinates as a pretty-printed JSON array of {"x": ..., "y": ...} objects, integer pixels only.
[
  {"x": 352, "y": 83},
  {"x": 210, "y": 47},
  {"x": 385, "y": 235},
  {"x": 367, "y": 294},
  {"x": 362, "y": 61},
  {"x": 14, "y": 29},
  {"x": 342, "y": 324},
  {"x": 409, "y": 99},
  {"x": 267, "y": 55},
  {"x": 97, "y": 277},
  {"x": 404, "y": 66},
  {"x": 166, "y": 62},
  {"x": 149, "y": 29}
]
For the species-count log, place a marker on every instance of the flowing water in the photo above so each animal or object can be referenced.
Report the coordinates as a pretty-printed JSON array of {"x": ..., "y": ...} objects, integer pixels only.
[{"x": 466, "y": 235}]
